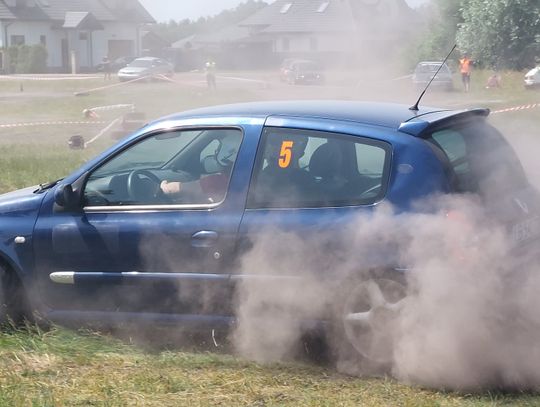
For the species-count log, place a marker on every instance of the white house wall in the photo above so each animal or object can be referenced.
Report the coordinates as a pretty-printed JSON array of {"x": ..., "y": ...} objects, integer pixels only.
[
  {"x": 302, "y": 43},
  {"x": 33, "y": 30},
  {"x": 115, "y": 31}
]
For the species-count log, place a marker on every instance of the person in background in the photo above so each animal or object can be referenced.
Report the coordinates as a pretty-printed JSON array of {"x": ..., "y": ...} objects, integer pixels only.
[
  {"x": 465, "y": 67},
  {"x": 210, "y": 69},
  {"x": 494, "y": 81},
  {"x": 106, "y": 62}
]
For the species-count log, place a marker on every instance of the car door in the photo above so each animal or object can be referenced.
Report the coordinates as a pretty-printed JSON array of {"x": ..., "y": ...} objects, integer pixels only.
[
  {"x": 312, "y": 181},
  {"x": 131, "y": 249}
]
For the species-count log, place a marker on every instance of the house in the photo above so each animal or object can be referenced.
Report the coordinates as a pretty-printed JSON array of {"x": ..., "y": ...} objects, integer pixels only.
[
  {"x": 232, "y": 47},
  {"x": 330, "y": 31},
  {"x": 76, "y": 33}
]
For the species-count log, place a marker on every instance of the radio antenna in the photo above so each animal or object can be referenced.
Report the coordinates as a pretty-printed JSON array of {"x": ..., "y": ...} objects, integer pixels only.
[{"x": 415, "y": 106}]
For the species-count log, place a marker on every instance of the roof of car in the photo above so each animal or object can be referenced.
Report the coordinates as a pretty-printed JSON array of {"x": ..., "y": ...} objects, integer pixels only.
[{"x": 371, "y": 113}]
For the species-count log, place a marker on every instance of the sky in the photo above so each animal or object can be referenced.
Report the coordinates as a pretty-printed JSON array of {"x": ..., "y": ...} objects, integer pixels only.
[{"x": 165, "y": 10}]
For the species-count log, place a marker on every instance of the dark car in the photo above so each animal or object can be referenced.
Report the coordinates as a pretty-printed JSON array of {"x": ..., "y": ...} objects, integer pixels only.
[
  {"x": 153, "y": 229},
  {"x": 425, "y": 72},
  {"x": 302, "y": 71},
  {"x": 116, "y": 64}
]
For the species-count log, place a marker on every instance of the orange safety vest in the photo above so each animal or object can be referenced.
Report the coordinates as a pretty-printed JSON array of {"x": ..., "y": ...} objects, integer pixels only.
[{"x": 465, "y": 65}]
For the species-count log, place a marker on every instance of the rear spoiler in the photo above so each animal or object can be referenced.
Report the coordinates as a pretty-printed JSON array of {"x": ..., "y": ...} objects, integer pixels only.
[{"x": 427, "y": 123}]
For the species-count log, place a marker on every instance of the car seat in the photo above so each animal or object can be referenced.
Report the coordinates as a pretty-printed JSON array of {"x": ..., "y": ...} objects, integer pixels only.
[{"x": 325, "y": 163}]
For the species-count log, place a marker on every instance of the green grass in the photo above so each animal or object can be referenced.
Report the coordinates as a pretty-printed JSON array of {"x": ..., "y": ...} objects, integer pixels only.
[
  {"x": 68, "y": 368},
  {"x": 64, "y": 367}
]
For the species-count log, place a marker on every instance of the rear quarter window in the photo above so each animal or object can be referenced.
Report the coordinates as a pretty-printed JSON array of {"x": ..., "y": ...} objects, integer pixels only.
[{"x": 479, "y": 159}]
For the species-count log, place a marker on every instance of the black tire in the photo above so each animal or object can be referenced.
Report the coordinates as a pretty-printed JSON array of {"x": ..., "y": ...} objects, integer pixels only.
[
  {"x": 13, "y": 305},
  {"x": 366, "y": 323}
]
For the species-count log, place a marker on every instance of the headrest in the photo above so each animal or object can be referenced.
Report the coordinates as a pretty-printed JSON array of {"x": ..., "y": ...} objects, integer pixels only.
[{"x": 325, "y": 161}]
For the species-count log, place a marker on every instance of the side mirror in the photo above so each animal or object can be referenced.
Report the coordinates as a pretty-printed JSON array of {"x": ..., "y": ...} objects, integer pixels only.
[{"x": 66, "y": 197}]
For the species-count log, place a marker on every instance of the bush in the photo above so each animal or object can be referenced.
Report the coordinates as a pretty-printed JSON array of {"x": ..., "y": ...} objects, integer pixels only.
[{"x": 28, "y": 59}]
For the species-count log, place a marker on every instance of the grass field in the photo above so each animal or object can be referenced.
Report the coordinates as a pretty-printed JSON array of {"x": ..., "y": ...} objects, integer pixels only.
[{"x": 63, "y": 367}]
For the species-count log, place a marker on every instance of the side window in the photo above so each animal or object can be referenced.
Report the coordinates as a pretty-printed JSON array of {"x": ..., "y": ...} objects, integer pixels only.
[
  {"x": 175, "y": 167},
  {"x": 453, "y": 144},
  {"x": 306, "y": 169},
  {"x": 480, "y": 159}
]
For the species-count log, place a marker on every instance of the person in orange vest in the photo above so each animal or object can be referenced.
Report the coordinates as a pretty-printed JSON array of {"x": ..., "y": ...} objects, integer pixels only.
[{"x": 465, "y": 66}]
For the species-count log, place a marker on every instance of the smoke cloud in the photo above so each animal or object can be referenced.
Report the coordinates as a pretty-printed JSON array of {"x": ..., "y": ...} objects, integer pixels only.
[{"x": 469, "y": 318}]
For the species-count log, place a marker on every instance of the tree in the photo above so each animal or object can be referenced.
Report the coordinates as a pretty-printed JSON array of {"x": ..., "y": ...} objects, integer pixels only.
[
  {"x": 436, "y": 39},
  {"x": 501, "y": 33},
  {"x": 173, "y": 30}
]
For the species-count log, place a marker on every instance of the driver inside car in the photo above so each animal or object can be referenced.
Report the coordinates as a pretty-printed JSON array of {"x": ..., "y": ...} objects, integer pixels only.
[{"x": 210, "y": 187}]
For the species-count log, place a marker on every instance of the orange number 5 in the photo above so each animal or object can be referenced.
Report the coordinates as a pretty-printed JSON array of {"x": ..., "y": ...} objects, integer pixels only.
[{"x": 285, "y": 154}]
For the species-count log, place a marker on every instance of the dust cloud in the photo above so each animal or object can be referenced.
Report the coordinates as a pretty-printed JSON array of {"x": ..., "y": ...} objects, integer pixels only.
[{"x": 468, "y": 322}]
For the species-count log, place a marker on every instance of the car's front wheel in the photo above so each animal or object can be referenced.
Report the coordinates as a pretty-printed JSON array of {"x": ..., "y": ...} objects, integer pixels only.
[
  {"x": 368, "y": 323},
  {"x": 13, "y": 307}
]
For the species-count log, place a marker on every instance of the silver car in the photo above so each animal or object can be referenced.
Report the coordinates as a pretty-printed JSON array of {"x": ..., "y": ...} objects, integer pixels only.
[
  {"x": 147, "y": 67},
  {"x": 425, "y": 71},
  {"x": 532, "y": 78}
]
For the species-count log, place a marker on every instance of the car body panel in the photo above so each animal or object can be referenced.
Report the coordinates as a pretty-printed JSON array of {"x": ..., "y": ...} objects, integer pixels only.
[
  {"x": 147, "y": 67},
  {"x": 532, "y": 78},
  {"x": 301, "y": 71},
  {"x": 102, "y": 244},
  {"x": 19, "y": 210},
  {"x": 161, "y": 262},
  {"x": 427, "y": 70}
]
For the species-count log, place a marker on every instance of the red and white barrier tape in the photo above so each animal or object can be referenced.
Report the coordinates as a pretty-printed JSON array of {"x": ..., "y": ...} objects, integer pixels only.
[
  {"x": 52, "y": 123},
  {"x": 105, "y": 130},
  {"x": 92, "y": 112},
  {"x": 46, "y": 78},
  {"x": 516, "y": 108}
]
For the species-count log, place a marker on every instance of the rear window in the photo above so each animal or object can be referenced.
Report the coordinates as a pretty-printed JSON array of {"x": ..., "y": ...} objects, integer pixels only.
[{"x": 479, "y": 159}]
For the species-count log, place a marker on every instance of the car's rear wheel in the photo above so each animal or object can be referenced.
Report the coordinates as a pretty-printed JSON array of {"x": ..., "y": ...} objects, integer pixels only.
[{"x": 368, "y": 322}]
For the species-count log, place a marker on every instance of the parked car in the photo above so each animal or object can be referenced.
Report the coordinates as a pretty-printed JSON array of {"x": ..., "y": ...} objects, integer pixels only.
[
  {"x": 108, "y": 244},
  {"x": 147, "y": 67},
  {"x": 425, "y": 71},
  {"x": 532, "y": 78},
  {"x": 117, "y": 63},
  {"x": 302, "y": 71}
]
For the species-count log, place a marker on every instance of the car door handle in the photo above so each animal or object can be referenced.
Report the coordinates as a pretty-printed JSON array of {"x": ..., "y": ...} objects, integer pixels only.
[{"x": 204, "y": 238}]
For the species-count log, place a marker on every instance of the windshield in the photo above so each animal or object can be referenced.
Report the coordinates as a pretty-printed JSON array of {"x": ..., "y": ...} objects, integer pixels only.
[
  {"x": 153, "y": 152},
  {"x": 432, "y": 68},
  {"x": 141, "y": 63},
  {"x": 307, "y": 66}
]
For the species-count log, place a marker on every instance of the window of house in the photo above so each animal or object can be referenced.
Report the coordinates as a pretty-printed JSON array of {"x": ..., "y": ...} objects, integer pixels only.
[
  {"x": 286, "y": 43},
  {"x": 196, "y": 166},
  {"x": 322, "y": 7},
  {"x": 43, "y": 40},
  {"x": 83, "y": 36},
  {"x": 17, "y": 40},
  {"x": 306, "y": 169},
  {"x": 285, "y": 8}
]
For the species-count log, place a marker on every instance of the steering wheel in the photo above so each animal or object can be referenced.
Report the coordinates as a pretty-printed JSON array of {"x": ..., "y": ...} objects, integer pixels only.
[{"x": 139, "y": 189}]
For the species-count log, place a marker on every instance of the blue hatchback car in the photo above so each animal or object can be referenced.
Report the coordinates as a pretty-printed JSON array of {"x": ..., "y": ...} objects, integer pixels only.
[{"x": 150, "y": 227}]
